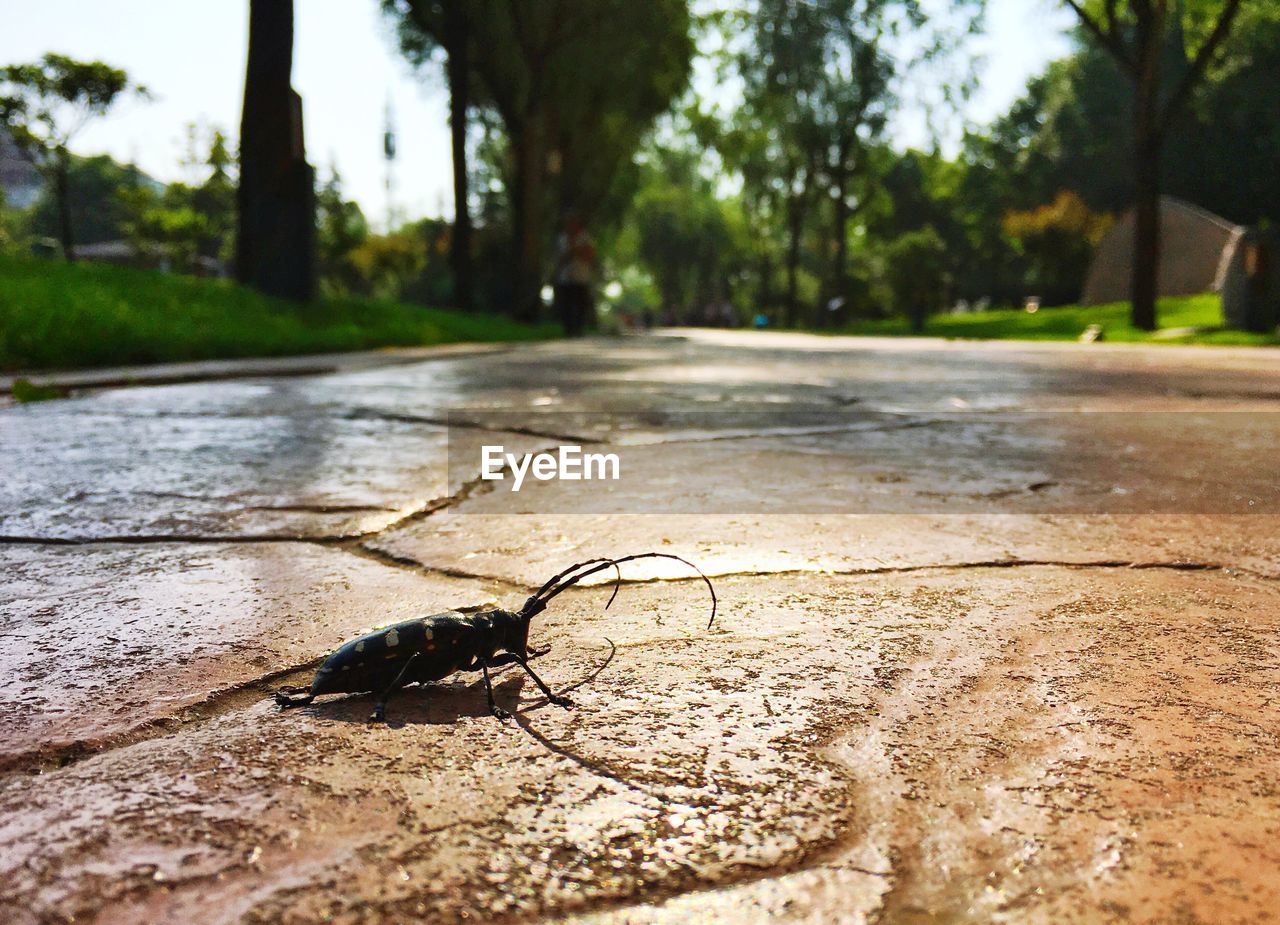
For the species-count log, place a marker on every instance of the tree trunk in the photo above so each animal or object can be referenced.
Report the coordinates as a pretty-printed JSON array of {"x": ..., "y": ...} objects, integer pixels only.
[
  {"x": 459, "y": 68},
  {"x": 764, "y": 295},
  {"x": 527, "y": 221},
  {"x": 62, "y": 193},
  {"x": 795, "y": 232},
  {"x": 917, "y": 313},
  {"x": 839, "y": 263},
  {"x": 275, "y": 244},
  {"x": 1146, "y": 235},
  {"x": 793, "y": 269},
  {"x": 1146, "y": 175}
]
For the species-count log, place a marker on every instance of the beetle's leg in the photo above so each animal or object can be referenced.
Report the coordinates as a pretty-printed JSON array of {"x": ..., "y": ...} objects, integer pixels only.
[
  {"x": 488, "y": 689},
  {"x": 554, "y": 698},
  {"x": 286, "y": 701},
  {"x": 379, "y": 714}
]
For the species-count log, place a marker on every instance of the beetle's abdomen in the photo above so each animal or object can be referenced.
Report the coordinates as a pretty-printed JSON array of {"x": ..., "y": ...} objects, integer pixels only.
[{"x": 442, "y": 642}]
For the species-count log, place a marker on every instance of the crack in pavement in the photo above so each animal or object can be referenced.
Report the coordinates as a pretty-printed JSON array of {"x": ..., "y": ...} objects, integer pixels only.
[
  {"x": 357, "y": 414},
  {"x": 321, "y": 508},
  {"x": 355, "y": 544},
  {"x": 220, "y": 702},
  {"x": 476, "y": 484},
  {"x": 404, "y": 561},
  {"x": 408, "y": 563},
  {"x": 216, "y": 703},
  {"x": 237, "y": 697},
  {"x": 365, "y": 414},
  {"x": 774, "y": 432}
]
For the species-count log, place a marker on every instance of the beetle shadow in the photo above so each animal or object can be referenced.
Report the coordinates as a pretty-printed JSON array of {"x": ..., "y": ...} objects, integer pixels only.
[
  {"x": 437, "y": 704},
  {"x": 433, "y": 704},
  {"x": 444, "y": 704},
  {"x": 593, "y": 766}
]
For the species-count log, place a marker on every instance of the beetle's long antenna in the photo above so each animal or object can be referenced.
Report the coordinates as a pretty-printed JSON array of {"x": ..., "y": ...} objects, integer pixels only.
[
  {"x": 573, "y": 568},
  {"x": 559, "y": 583},
  {"x": 536, "y": 604}
]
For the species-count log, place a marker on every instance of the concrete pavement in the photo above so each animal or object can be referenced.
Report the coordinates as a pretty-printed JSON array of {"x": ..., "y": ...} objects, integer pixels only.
[{"x": 973, "y": 663}]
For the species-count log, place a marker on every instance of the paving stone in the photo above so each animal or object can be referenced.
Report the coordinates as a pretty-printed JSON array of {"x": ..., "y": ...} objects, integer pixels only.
[
  {"x": 974, "y": 699},
  {"x": 107, "y": 640},
  {"x": 1036, "y": 742},
  {"x": 1105, "y": 463},
  {"x": 87, "y": 471}
]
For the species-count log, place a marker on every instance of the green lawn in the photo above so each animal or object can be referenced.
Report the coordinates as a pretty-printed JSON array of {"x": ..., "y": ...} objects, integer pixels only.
[
  {"x": 1067, "y": 323},
  {"x": 59, "y": 316}
]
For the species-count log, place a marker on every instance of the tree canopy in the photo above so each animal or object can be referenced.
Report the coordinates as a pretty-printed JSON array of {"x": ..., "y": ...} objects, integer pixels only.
[
  {"x": 1148, "y": 40},
  {"x": 45, "y": 104},
  {"x": 575, "y": 93},
  {"x": 775, "y": 181}
]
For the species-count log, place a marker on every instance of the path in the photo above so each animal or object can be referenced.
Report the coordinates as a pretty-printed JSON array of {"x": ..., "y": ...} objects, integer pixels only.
[{"x": 972, "y": 663}]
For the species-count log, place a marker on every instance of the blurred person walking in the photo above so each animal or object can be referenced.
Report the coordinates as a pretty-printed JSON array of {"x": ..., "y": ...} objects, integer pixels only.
[{"x": 575, "y": 267}]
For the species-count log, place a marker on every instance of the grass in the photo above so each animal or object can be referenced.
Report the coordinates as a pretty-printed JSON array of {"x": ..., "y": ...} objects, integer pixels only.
[
  {"x": 58, "y": 316},
  {"x": 1202, "y": 311}
]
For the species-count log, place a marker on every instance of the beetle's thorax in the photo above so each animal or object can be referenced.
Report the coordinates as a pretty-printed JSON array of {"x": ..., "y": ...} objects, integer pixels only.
[{"x": 510, "y": 631}]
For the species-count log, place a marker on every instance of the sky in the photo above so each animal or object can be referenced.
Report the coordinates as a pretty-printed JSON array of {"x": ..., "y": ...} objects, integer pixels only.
[{"x": 191, "y": 56}]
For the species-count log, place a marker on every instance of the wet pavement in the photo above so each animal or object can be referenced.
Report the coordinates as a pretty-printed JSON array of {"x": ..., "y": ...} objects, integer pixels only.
[{"x": 997, "y": 639}]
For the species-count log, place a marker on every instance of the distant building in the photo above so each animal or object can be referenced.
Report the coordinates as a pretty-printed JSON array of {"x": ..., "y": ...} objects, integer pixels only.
[
  {"x": 19, "y": 179},
  {"x": 118, "y": 252},
  {"x": 1251, "y": 283},
  {"x": 1195, "y": 247}
]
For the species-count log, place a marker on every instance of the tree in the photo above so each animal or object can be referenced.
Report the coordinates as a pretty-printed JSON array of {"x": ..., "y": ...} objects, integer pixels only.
[
  {"x": 552, "y": 72},
  {"x": 924, "y": 191},
  {"x": 384, "y": 265},
  {"x": 275, "y": 244},
  {"x": 564, "y": 68},
  {"x": 1236, "y": 141},
  {"x": 597, "y": 125},
  {"x": 776, "y": 137},
  {"x": 97, "y": 213},
  {"x": 215, "y": 197},
  {"x": 10, "y": 230},
  {"x": 852, "y": 108},
  {"x": 917, "y": 274},
  {"x": 683, "y": 235},
  {"x": 743, "y": 146},
  {"x": 188, "y": 225},
  {"x": 820, "y": 78},
  {"x": 44, "y": 105},
  {"x": 340, "y": 229},
  {"x": 1140, "y": 35},
  {"x": 1072, "y": 126},
  {"x": 1058, "y": 241},
  {"x": 423, "y": 27}
]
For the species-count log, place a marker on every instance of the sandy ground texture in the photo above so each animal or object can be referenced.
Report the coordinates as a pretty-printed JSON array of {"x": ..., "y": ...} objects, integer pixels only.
[{"x": 998, "y": 639}]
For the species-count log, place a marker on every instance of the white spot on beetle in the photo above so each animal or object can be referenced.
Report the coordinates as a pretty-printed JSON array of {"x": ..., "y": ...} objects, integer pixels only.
[
  {"x": 392, "y": 638},
  {"x": 360, "y": 646},
  {"x": 428, "y": 632}
]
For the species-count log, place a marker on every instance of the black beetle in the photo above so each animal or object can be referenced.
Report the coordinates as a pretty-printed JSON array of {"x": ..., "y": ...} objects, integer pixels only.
[{"x": 431, "y": 648}]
